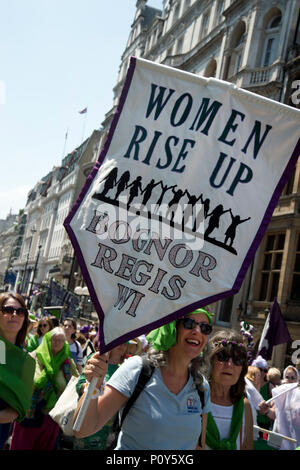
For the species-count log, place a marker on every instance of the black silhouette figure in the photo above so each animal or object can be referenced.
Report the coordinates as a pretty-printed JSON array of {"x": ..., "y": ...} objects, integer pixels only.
[
  {"x": 205, "y": 203},
  {"x": 110, "y": 181},
  {"x": 134, "y": 191},
  {"x": 122, "y": 183},
  {"x": 173, "y": 204},
  {"x": 189, "y": 209},
  {"x": 165, "y": 188},
  {"x": 231, "y": 231},
  {"x": 147, "y": 191},
  {"x": 214, "y": 219}
]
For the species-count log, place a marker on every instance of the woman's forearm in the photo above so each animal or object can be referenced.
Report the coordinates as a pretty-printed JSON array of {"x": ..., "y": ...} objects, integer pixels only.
[{"x": 99, "y": 411}]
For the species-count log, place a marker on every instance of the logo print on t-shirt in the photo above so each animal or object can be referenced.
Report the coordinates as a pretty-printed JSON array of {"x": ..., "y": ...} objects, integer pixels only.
[{"x": 192, "y": 406}]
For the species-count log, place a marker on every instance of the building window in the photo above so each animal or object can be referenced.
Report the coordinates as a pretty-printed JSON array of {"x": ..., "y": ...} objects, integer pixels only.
[
  {"x": 238, "y": 61},
  {"x": 272, "y": 263},
  {"x": 169, "y": 51},
  {"x": 204, "y": 26},
  {"x": 225, "y": 310},
  {"x": 237, "y": 41},
  {"x": 295, "y": 292},
  {"x": 220, "y": 8},
  {"x": 269, "y": 52},
  {"x": 271, "y": 40},
  {"x": 179, "y": 47},
  {"x": 176, "y": 13},
  {"x": 288, "y": 189}
]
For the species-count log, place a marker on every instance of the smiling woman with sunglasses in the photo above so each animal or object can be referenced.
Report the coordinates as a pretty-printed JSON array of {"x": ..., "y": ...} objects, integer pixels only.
[
  {"x": 44, "y": 325},
  {"x": 171, "y": 410},
  {"x": 230, "y": 424},
  {"x": 13, "y": 327}
]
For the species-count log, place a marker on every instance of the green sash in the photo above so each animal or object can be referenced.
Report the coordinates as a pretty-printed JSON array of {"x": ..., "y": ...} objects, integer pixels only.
[
  {"x": 32, "y": 343},
  {"x": 16, "y": 377},
  {"x": 212, "y": 432}
]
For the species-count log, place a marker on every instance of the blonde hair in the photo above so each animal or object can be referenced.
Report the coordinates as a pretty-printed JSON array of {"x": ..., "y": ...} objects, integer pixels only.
[
  {"x": 252, "y": 373},
  {"x": 273, "y": 373}
]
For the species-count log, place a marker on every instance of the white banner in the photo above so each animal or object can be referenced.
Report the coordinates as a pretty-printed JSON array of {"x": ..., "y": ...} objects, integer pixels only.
[{"x": 172, "y": 214}]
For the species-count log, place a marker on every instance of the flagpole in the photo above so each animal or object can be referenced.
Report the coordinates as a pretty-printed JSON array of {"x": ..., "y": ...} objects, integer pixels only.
[
  {"x": 66, "y": 136},
  {"x": 83, "y": 130},
  {"x": 84, "y": 111},
  {"x": 282, "y": 393},
  {"x": 85, "y": 404}
]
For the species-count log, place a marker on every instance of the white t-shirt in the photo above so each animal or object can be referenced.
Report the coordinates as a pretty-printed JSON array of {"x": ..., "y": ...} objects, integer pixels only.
[
  {"x": 76, "y": 352},
  {"x": 222, "y": 416},
  {"x": 158, "y": 419}
]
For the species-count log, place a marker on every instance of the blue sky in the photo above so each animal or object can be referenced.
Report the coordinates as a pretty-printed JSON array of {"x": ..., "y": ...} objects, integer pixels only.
[{"x": 56, "y": 58}]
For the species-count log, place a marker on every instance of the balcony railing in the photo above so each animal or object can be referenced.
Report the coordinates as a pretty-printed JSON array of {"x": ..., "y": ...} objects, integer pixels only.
[{"x": 260, "y": 76}]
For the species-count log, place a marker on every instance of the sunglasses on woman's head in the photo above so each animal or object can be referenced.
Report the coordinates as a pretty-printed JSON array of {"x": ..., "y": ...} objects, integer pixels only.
[
  {"x": 224, "y": 356},
  {"x": 190, "y": 324},
  {"x": 21, "y": 311}
]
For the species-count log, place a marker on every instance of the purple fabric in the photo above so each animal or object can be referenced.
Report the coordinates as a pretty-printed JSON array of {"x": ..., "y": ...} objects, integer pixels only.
[{"x": 277, "y": 332}]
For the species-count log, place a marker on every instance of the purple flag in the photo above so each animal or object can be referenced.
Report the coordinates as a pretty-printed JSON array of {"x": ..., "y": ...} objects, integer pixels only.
[{"x": 275, "y": 332}]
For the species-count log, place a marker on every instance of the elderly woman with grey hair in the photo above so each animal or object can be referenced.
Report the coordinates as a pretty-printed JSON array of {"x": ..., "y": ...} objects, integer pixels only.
[
  {"x": 54, "y": 368},
  {"x": 230, "y": 423}
]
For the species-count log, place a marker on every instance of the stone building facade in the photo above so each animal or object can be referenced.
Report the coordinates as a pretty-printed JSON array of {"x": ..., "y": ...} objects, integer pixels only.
[
  {"x": 46, "y": 250},
  {"x": 254, "y": 44}
]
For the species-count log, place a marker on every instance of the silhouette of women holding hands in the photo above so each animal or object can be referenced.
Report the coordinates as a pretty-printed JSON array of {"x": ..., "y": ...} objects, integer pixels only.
[
  {"x": 231, "y": 231},
  {"x": 164, "y": 188},
  {"x": 148, "y": 190},
  {"x": 214, "y": 219},
  {"x": 122, "y": 183},
  {"x": 189, "y": 209},
  {"x": 134, "y": 191},
  {"x": 205, "y": 203},
  {"x": 173, "y": 204},
  {"x": 110, "y": 181}
]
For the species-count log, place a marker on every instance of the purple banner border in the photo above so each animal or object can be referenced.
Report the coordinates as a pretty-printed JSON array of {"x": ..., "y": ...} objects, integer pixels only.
[
  {"x": 83, "y": 192},
  {"x": 201, "y": 303}
]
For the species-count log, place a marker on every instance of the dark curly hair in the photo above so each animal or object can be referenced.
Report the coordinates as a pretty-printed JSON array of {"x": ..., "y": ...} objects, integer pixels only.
[{"x": 237, "y": 390}]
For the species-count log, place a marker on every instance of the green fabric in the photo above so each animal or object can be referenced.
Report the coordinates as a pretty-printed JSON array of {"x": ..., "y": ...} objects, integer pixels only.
[
  {"x": 261, "y": 444},
  {"x": 32, "y": 343},
  {"x": 263, "y": 420},
  {"x": 164, "y": 337},
  {"x": 204, "y": 311},
  {"x": 51, "y": 365},
  {"x": 212, "y": 432},
  {"x": 16, "y": 377}
]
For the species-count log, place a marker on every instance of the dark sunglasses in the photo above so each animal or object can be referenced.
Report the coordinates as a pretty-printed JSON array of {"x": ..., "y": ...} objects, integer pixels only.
[
  {"x": 224, "y": 356},
  {"x": 190, "y": 324},
  {"x": 21, "y": 311},
  {"x": 290, "y": 377},
  {"x": 44, "y": 324}
]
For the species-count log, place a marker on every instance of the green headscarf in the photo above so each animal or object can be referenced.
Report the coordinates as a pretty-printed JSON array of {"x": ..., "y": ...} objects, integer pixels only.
[
  {"x": 164, "y": 337},
  {"x": 48, "y": 378}
]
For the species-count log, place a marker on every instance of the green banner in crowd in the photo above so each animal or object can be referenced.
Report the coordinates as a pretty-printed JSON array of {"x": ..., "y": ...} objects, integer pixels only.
[{"x": 16, "y": 377}]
